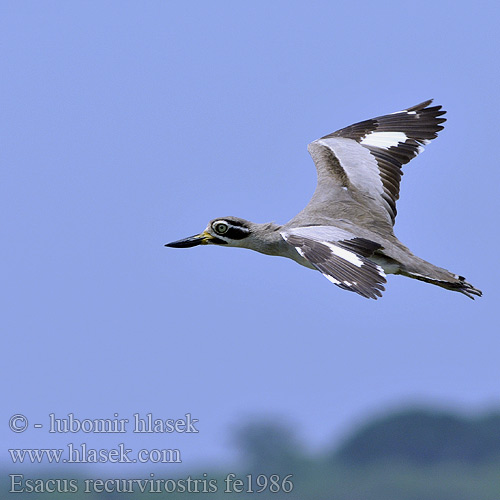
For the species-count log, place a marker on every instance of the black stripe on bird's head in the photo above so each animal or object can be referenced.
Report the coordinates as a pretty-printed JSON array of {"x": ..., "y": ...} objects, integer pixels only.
[{"x": 229, "y": 229}]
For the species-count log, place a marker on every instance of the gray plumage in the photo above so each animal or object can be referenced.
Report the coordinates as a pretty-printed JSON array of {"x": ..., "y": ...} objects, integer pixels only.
[{"x": 346, "y": 230}]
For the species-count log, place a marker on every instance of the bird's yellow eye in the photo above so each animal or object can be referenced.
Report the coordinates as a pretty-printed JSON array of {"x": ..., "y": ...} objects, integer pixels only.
[{"x": 220, "y": 227}]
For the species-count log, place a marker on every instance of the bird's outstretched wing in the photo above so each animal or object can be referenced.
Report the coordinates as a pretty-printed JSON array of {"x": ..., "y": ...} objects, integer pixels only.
[
  {"x": 340, "y": 256},
  {"x": 365, "y": 159}
]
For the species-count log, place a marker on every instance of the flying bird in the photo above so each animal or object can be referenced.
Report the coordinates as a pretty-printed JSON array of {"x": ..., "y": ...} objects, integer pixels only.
[{"x": 346, "y": 230}]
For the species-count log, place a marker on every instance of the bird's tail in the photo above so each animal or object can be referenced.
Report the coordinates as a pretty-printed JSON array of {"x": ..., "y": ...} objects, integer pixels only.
[{"x": 425, "y": 271}]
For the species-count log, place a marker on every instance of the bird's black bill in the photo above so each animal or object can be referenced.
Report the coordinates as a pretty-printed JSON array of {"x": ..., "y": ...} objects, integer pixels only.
[{"x": 192, "y": 241}]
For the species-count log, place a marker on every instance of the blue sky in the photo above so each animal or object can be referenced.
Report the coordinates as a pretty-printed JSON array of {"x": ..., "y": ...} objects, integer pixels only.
[{"x": 127, "y": 125}]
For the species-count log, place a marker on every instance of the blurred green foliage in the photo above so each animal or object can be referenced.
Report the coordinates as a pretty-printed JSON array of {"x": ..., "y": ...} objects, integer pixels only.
[{"x": 424, "y": 437}]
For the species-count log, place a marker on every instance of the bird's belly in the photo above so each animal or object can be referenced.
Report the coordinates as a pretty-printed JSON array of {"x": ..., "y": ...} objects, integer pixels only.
[{"x": 389, "y": 266}]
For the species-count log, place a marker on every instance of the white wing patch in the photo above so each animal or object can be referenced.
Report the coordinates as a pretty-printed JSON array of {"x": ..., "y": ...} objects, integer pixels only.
[
  {"x": 384, "y": 139},
  {"x": 405, "y": 111},
  {"x": 344, "y": 254}
]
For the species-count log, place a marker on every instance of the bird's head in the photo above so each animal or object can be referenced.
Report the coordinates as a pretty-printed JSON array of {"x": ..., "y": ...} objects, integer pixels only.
[{"x": 230, "y": 231}]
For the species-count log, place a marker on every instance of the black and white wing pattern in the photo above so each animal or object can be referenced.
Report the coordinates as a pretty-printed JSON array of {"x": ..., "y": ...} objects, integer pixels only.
[
  {"x": 368, "y": 155},
  {"x": 341, "y": 257}
]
